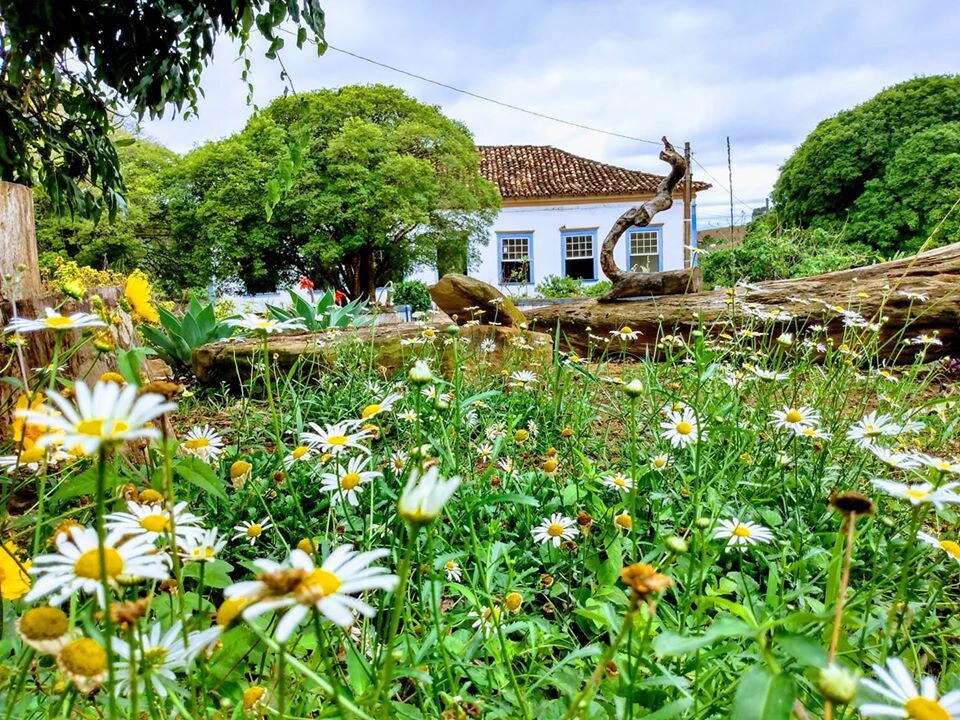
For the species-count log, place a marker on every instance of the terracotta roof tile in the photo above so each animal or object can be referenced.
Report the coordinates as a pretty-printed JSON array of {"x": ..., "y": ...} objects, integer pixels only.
[{"x": 536, "y": 171}]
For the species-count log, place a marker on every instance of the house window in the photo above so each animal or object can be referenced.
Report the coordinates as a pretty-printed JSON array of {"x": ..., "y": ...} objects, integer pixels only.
[
  {"x": 643, "y": 248},
  {"x": 515, "y": 264},
  {"x": 579, "y": 254}
]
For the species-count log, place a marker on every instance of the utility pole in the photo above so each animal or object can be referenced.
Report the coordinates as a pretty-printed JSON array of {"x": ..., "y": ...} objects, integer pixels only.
[
  {"x": 730, "y": 183},
  {"x": 687, "y": 204}
]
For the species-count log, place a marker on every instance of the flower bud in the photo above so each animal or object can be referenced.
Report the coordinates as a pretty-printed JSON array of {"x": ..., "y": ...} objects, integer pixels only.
[
  {"x": 838, "y": 684},
  {"x": 677, "y": 544},
  {"x": 634, "y": 388},
  {"x": 420, "y": 373}
]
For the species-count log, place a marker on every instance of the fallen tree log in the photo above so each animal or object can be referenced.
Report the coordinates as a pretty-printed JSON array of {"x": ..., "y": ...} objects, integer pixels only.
[
  {"x": 910, "y": 299},
  {"x": 232, "y": 360}
]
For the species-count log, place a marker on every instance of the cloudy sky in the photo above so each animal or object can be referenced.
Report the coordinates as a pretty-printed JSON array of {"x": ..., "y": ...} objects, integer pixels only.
[{"x": 762, "y": 73}]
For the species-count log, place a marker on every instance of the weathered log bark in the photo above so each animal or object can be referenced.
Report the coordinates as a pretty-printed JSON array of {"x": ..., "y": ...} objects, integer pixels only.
[
  {"x": 456, "y": 294},
  {"x": 231, "y": 361},
  {"x": 632, "y": 284},
  {"x": 18, "y": 242},
  {"x": 885, "y": 291}
]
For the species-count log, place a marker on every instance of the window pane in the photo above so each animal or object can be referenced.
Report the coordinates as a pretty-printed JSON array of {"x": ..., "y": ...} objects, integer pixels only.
[
  {"x": 514, "y": 272},
  {"x": 514, "y": 248},
  {"x": 644, "y": 263},
  {"x": 580, "y": 268},
  {"x": 579, "y": 246}
]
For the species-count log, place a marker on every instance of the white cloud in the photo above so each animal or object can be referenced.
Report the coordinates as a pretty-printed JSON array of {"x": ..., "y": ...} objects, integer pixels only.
[{"x": 763, "y": 74}]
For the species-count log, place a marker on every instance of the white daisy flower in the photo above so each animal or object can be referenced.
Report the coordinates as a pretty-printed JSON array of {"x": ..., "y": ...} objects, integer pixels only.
[
  {"x": 155, "y": 521},
  {"x": 488, "y": 346},
  {"x": 425, "y": 495},
  {"x": 872, "y": 426},
  {"x": 618, "y": 481},
  {"x": 451, "y": 568},
  {"x": 485, "y": 450},
  {"x": 335, "y": 439},
  {"x": 918, "y": 297},
  {"x": 157, "y": 658},
  {"x": 681, "y": 428},
  {"x": 202, "y": 548},
  {"x": 918, "y": 493},
  {"x": 740, "y": 534},
  {"x": 381, "y": 406},
  {"x": 303, "y": 453},
  {"x": 810, "y": 432},
  {"x": 408, "y": 415},
  {"x": 950, "y": 547},
  {"x": 76, "y": 565},
  {"x": 53, "y": 320},
  {"x": 791, "y": 418},
  {"x": 903, "y": 461},
  {"x": 486, "y": 619},
  {"x": 905, "y": 701},
  {"x": 300, "y": 586},
  {"x": 555, "y": 529},
  {"x": 926, "y": 340},
  {"x": 346, "y": 483},
  {"x": 251, "y": 530},
  {"x": 522, "y": 378},
  {"x": 941, "y": 464},
  {"x": 496, "y": 431},
  {"x": 265, "y": 326},
  {"x": 204, "y": 443},
  {"x": 108, "y": 415},
  {"x": 398, "y": 460},
  {"x": 625, "y": 333},
  {"x": 769, "y": 374},
  {"x": 660, "y": 462}
]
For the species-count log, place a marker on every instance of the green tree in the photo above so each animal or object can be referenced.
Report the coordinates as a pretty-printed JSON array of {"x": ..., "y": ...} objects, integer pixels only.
[
  {"x": 68, "y": 67},
  {"x": 378, "y": 183},
  {"x": 858, "y": 166},
  {"x": 139, "y": 237}
]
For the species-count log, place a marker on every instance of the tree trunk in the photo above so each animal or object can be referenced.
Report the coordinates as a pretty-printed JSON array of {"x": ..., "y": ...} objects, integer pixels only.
[
  {"x": 886, "y": 290},
  {"x": 18, "y": 242}
]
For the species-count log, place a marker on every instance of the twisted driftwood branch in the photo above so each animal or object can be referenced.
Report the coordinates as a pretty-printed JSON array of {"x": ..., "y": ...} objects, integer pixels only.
[{"x": 630, "y": 284}]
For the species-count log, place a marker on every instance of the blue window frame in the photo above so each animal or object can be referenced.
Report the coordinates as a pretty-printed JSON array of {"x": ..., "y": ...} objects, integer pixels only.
[
  {"x": 579, "y": 252},
  {"x": 694, "y": 256},
  {"x": 644, "y": 248},
  {"x": 515, "y": 257}
]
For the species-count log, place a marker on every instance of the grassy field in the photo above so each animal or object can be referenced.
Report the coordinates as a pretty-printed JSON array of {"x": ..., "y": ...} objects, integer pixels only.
[{"x": 762, "y": 525}]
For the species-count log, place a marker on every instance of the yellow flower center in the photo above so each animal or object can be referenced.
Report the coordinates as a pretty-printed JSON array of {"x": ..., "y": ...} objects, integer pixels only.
[
  {"x": 254, "y": 530},
  {"x": 150, "y": 496},
  {"x": 450, "y": 564},
  {"x": 626, "y": 330},
  {"x": 83, "y": 657},
  {"x": 619, "y": 481},
  {"x": 370, "y": 410},
  {"x": 317, "y": 585},
  {"x": 659, "y": 462},
  {"x": 229, "y": 610},
  {"x": 513, "y": 601},
  {"x": 155, "y": 656},
  {"x": 350, "y": 481},
  {"x": 915, "y": 494},
  {"x": 155, "y": 523},
  {"x": 793, "y": 416},
  {"x": 337, "y": 440},
  {"x": 555, "y": 530},
  {"x": 88, "y": 564},
  {"x": 202, "y": 553},
  {"x": 97, "y": 427},
  {"x": 239, "y": 468},
  {"x": 921, "y": 708},
  {"x": 624, "y": 521},
  {"x": 521, "y": 435},
  {"x": 684, "y": 428},
  {"x": 741, "y": 531},
  {"x": 58, "y": 322},
  {"x": 252, "y": 696},
  {"x": 951, "y": 548},
  {"x": 299, "y": 452},
  {"x": 43, "y": 623},
  {"x": 196, "y": 443},
  {"x": 264, "y": 324}
]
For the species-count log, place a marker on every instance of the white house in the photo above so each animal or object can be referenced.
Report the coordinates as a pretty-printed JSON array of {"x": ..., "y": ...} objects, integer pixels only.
[{"x": 556, "y": 210}]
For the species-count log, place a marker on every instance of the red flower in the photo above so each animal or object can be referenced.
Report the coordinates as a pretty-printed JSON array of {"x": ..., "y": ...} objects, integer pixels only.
[
  {"x": 339, "y": 297},
  {"x": 306, "y": 283}
]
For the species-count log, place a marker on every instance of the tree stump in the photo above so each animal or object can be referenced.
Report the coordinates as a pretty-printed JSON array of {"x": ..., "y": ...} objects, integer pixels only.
[{"x": 18, "y": 242}]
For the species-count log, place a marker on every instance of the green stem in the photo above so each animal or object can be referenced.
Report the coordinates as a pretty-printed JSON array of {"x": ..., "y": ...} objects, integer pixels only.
[
  {"x": 104, "y": 577},
  {"x": 386, "y": 673},
  {"x": 269, "y": 384}
]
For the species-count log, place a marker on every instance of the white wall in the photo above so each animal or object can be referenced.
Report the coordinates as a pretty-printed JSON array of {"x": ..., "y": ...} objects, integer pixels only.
[{"x": 546, "y": 223}]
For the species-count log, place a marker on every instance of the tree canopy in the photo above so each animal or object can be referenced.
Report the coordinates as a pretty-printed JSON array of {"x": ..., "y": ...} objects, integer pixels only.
[
  {"x": 888, "y": 168},
  {"x": 139, "y": 238},
  {"x": 68, "y": 69},
  {"x": 377, "y": 184}
]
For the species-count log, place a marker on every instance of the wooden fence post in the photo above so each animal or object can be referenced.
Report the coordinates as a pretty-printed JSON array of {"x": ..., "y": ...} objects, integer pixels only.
[{"x": 18, "y": 240}]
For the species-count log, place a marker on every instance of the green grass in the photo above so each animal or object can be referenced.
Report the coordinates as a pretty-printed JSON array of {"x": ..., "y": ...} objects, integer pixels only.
[{"x": 737, "y": 634}]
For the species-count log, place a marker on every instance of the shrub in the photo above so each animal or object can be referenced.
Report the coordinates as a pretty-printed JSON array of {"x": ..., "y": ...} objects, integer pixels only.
[
  {"x": 413, "y": 293},
  {"x": 601, "y": 287},
  {"x": 554, "y": 286},
  {"x": 770, "y": 252}
]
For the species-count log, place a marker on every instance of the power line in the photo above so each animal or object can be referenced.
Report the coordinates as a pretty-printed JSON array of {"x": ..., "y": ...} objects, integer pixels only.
[
  {"x": 525, "y": 110},
  {"x": 494, "y": 101}
]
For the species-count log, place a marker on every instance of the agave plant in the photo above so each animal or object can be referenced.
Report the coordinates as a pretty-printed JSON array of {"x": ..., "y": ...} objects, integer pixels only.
[
  {"x": 176, "y": 338},
  {"x": 325, "y": 313}
]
